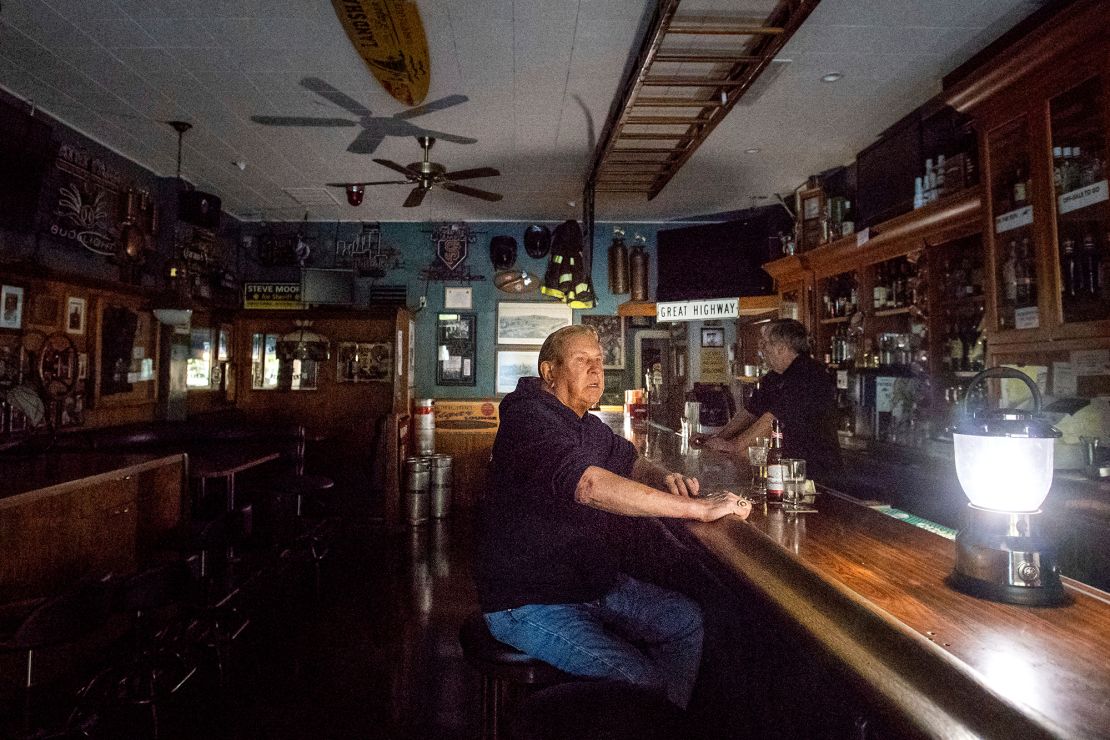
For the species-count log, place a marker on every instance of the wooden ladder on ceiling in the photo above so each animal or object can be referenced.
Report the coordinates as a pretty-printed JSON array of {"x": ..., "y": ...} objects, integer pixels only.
[{"x": 689, "y": 74}]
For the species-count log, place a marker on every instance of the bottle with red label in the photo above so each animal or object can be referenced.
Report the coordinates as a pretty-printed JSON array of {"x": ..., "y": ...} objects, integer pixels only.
[{"x": 775, "y": 478}]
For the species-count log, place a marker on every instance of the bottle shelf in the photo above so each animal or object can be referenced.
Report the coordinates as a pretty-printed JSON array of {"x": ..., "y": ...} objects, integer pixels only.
[{"x": 892, "y": 311}]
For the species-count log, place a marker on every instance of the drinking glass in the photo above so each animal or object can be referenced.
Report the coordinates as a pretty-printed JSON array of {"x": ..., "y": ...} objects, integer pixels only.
[
  {"x": 757, "y": 456},
  {"x": 794, "y": 482}
]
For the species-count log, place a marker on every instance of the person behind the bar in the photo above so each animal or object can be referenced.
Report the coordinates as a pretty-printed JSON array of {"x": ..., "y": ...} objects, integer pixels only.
[
  {"x": 797, "y": 391},
  {"x": 548, "y": 557}
]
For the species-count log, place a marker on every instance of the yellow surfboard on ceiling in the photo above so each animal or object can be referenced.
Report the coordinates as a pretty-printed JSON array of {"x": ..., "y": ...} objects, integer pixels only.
[{"x": 389, "y": 36}]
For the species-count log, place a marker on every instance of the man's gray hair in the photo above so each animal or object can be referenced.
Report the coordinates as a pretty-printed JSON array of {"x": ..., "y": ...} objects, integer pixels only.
[
  {"x": 789, "y": 332},
  {"x": 556, "y": 342}
]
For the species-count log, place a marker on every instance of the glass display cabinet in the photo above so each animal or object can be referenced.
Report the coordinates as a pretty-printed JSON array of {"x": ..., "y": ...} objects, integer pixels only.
[
  {"x": 1082, "y": 209},
  {"x": 1012, "y": 222}
]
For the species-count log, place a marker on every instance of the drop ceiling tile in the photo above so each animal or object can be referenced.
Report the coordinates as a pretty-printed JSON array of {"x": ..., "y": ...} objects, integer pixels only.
[
  {"x": 211, "y": 58},
  {"x": 42, "y": 23},
  {"x": 178, "y": 32},
  {"x": 117, "y": 32}
]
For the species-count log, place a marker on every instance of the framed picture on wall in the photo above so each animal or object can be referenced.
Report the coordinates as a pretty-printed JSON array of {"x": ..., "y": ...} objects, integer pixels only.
[
  {"x": 520, "y": 322},
  {"x": 512, "y": 365},
  {"x": 610, "y": 330},
  {"x": 713, "y": 337},
  {"x": 75, "y": 315},
  {"x": 456, "y": 348},
  {"x": 461, "y": 298},
  {"x": 11, "y": 307}
]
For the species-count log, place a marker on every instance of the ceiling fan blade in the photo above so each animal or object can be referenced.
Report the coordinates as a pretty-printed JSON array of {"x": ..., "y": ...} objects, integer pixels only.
[
  {"x": 366, "y": 142},
  {"x": 397, "y": 167},
  {"x": 416, "y": 197},
  {"x": 326, "y": 91},
  {"x": 448, "y": 137},
  {"x": 301, "y": 121},
  {"x": 365, "y": 184},
  {"x": 472, "y": 192},
  {"x": 468, "y": 174},
  {"x": 431, "y": 107}
]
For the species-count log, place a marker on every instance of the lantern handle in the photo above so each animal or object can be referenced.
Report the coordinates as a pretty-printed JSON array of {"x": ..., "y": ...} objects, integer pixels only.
[{"x": 1003, "y": 372}]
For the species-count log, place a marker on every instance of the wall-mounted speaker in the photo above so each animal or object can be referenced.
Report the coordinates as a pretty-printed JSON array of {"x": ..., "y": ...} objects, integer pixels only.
[{"x": 199, "y": 209}]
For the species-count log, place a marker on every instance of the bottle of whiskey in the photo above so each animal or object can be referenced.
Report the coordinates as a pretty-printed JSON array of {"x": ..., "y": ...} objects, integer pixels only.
[
  {"x": 1009, "y": 273},
  {"x": 775, "y": 478},
  {"x": 1070, "y": 269},
  {"x": 1091, "y": 266},
  {"x": 1026, "y": 282}
]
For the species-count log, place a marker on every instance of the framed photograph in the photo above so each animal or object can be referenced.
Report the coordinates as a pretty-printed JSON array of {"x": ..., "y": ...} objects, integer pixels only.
[
  {"x": 512, "y": 365},
  {"x": 713, "y": 337},
  {"x": 75, "y": 315},
  {"x": 530, "y": 323},
  {"x": 610, "y": 330},
  {"x": 364, "y": 362},
  {"x": 45, "y": 310},
  {"x": 11, "y": 307},
  {"x": 456, "y": 348},
  {"x": 460, "y": 298}
]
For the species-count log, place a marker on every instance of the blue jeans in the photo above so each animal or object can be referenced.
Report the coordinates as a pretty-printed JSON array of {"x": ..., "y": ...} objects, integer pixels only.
[{"x": 637, "y": 632}]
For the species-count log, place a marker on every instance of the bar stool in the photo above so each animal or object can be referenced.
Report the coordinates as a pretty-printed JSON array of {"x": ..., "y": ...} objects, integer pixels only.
[
  {"x": 614, "y": 710},
  {"x": 42, "y": 623},
  {"x": 504, "y": 669},
  {"x": 156, "y": 665}
]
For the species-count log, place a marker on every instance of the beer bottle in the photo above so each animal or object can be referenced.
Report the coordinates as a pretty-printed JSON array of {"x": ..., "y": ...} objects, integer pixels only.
[{"x": 775, "y": 477}]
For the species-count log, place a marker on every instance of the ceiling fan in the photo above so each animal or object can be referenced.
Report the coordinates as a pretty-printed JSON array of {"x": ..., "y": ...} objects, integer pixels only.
[
  {"x": 374, "y": 128},
  {"x": 423, "y": 175}
]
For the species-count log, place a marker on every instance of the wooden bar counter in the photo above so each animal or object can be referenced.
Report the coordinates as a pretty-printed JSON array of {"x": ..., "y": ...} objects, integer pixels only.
[
  {"x": 64, "y": 515},
  {"x": 865, "y": 594}
]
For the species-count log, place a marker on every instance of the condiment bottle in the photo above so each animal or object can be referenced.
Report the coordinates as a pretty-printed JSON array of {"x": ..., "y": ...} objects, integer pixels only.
[{"x": 775, "y": 476}]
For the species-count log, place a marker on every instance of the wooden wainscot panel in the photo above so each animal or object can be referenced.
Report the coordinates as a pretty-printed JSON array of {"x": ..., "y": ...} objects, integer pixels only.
[{"x": 465, "y": 430}]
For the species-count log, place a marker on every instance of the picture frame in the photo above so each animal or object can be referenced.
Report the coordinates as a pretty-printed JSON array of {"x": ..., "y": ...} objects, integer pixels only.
[
  {"x": 529, "y": 323},
  {"x": 76, "y": 309},
  {"x": 45, "y": 310},
  {"x": 610, "y": 331},
  {"x": 364, "y": 362},
  {"x": 459, "y": 298},
  {"x": 514, "y": 364},
  {"x": 11, "y": 307},
  {"x": 713, "y": 337},
  {"x": 456, "y": 349}
]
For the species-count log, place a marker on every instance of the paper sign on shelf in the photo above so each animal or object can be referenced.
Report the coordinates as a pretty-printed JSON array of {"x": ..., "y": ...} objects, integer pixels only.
[
  {"x": 842, "y": 380},
  {"x": 862, "y": 237},
  {"x": 1083, "y": 197},
  {"x": 884, "y": 394},
  {"x": 1063, "y": 380},
  {"x": 1027, "y": 318},
  {"x": 1091, "y": 361},
  {"x": 1013, "y": 219}
]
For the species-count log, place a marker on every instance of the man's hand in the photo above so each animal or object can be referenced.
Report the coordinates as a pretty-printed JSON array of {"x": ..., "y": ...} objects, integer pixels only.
[
  {"x": 720, "y": 445},
  {"x": 680, "y": 485},
  {"x": 722, "y": 504},
  {"x": 699, "y": 439}
]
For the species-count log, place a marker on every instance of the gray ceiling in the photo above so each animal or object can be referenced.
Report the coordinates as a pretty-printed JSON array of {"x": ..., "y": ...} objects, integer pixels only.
[{"x": 535, "y": 73}]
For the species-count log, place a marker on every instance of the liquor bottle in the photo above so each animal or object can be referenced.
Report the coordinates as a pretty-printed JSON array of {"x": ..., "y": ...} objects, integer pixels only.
[
  {"x": 930, "y": 182},
  {"x": 918, "y": 192},
  {"x": 775, "y": 478},
  {"x": 1070, "y": 269},
  {"x": 1009, "y": 273},
  {"x": 1020, "y": 194},
  {"x": 939, "y": 189},
  {"x": 1026, "y": 283},
  {"x": 1091, "y": 266},
  {"x": 880, "y": 289},
  {"x": 1058, "y": 169},
  {"x": 955, "y": 348}
]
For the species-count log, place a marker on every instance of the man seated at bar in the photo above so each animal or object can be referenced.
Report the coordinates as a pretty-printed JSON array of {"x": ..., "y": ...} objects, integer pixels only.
[
  {"x": 800, "y": 393},
  {"x": 548, "y": 557}
]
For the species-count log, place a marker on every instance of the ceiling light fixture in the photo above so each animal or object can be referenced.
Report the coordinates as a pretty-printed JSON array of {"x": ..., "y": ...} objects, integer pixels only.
[
  {"x": 241, "y": 164},
  {"x": 354, "y": 194},
  {"x": 753, "y": 150},
  {"x": 831, "y": 77}
]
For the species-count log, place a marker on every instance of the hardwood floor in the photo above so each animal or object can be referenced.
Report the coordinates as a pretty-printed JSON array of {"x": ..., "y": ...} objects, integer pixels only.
[{"x": 379, "y": 657}]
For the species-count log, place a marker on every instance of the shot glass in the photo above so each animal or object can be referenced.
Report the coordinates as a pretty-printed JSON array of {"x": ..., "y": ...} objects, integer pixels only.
[{"x": 794, "y": 482}]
